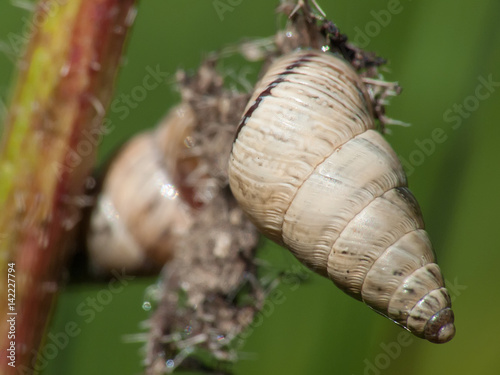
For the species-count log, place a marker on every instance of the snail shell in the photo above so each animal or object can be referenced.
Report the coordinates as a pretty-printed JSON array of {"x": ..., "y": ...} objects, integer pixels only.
[
  {"x": 145, "y": 203},
  {"x": 313, "y": 175}
]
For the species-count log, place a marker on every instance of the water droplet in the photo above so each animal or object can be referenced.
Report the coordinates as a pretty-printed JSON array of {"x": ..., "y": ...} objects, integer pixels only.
[
  {"x": 43, "y": 240},
  {"x": 108, "y": 209},
  {"x": 20, "y": 202},
  {"x": 132, "y": 13},
  {"x": 220, "y": 337},
  {"x": 49, "y": 287},
  {"x": 65, "y": 70},
  {"x": 325, "y": 48},
  {"x": 169, "y": 191},
  {"x": 181, "y": 112},
  {"x": 90, "y": 182},
  {"x": 146, "y": 306},
  {"x": 95, "y": 66},
  {"x": 170, "y": 363},
  {"x": 118, "y": 30},
  {"x": 289, "y": 34},
  {"x": 98, "y": 106},
  {"x": 188, "y": 330},
  {"x": 189, "y": 142}
]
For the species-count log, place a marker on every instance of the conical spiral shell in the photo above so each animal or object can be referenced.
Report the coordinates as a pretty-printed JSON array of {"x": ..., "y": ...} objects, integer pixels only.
[
  {"x": 311, "y": 172},
  {"x": 143, "y": 206}
]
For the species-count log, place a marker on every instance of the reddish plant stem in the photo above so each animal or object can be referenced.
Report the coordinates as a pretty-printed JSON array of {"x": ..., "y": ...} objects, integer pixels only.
[{"x": 64, "y": 85}]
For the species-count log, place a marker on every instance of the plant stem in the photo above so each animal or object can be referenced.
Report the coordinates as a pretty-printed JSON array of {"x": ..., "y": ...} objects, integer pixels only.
[{"x": 64, "y": 84}]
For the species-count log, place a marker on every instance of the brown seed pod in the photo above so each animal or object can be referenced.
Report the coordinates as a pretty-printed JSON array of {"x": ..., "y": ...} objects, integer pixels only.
[{"x": 311, "y": 172}]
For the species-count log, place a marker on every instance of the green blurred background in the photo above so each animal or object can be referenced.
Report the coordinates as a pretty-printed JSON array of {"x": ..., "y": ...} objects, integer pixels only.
[{"x": 439, "y": 52}]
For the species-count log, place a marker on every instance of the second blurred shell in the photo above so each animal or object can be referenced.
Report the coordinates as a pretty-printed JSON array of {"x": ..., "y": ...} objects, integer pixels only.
[{"x": 146, "y": 201}]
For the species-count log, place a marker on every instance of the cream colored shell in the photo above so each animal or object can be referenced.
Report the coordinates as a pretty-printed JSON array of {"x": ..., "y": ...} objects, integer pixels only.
[
  {"x": 311, "y": 172},
  {"x": 140, "y": 214}
]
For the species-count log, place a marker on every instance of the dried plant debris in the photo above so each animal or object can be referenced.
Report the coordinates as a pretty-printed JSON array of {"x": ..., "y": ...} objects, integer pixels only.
[
  {"x": 209, "y": 291},
  {"x": 308, "y": 27}
]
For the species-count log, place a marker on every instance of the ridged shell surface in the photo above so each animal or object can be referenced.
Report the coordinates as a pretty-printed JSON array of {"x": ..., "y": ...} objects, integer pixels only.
[
  {"x": 311, "y": 172},
  {"x": 141, "y": 212}
]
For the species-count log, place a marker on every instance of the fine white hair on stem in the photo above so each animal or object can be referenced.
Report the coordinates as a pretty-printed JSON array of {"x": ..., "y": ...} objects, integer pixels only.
[{"x": 28, "y": 5}]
